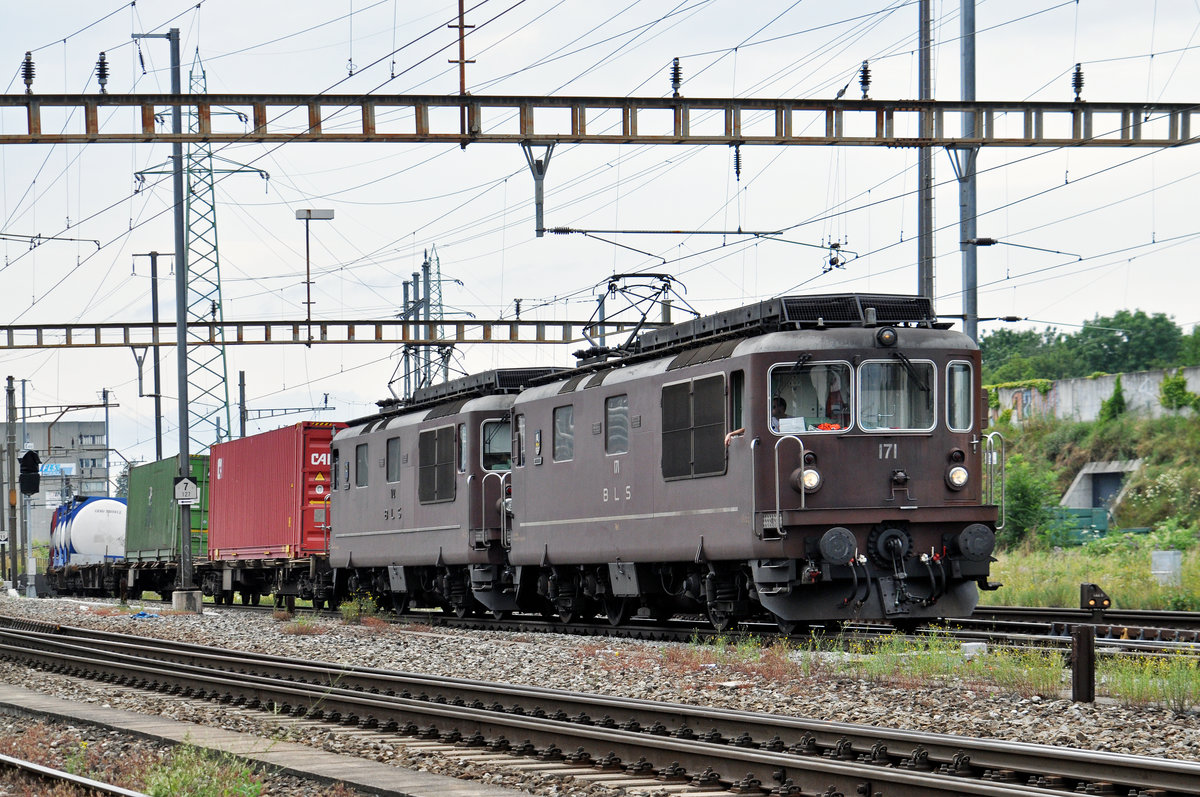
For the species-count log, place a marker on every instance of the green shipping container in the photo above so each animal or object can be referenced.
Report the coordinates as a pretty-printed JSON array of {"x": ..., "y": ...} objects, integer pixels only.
[{"x": 152, "y": 519}]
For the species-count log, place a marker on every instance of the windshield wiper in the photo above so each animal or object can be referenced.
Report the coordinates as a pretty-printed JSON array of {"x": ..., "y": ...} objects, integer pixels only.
[{"x": 912, "y": 370}]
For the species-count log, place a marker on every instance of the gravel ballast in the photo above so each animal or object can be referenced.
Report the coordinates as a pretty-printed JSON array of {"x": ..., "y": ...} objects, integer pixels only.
[{"x": 618, "y": 667}]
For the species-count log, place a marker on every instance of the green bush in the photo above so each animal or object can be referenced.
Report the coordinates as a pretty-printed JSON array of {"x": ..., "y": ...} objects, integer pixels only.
[
  {"x": 1173, "y": 393},
  {"x": 1114, "y": 406},
  {"x": 1029, "y": 496}
]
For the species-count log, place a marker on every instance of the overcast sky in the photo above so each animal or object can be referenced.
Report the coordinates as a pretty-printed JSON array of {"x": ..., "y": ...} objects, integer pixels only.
[{"x": 1119, "y": 224}]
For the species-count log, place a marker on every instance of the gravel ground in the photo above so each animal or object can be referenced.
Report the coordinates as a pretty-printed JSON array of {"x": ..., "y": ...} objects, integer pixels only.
[{"x": 648, "y": 670}]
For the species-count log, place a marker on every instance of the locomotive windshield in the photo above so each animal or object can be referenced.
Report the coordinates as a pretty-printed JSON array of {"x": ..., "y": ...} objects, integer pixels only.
[
  {"x": 814, "y": 397},
  {"x": 497, "y": 445},
  {"x": 896, "y": 394}
]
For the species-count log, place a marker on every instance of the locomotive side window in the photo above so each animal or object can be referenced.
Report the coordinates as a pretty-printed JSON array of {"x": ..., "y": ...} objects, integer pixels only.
[
  {"x": 814, "y": 397},
  {"x": 393, "y": 459},
  {"x": 737, "y": 389},
  {"x": 462, "y": 448},
  {"x": 693, "y": 428},
  {"x": 960, "y": 409},
  {"x": 564, "y": 433},
  {"x": 896, "y": 395},
  {"x": 616, "y": 425},
  {"x": 435, "y": 465},
  {"x": 360, "y": 465},
  {"x": 497, "y": 445}
]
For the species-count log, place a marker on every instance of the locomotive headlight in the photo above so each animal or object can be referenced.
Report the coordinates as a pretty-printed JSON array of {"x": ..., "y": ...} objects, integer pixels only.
[
  {"x": 957, "y": 477},
  {"x": 811, "y": 479}
]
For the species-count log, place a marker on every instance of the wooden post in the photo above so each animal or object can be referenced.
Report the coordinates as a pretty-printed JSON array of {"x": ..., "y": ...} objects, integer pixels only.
[{"x": 1083, "y": 664}]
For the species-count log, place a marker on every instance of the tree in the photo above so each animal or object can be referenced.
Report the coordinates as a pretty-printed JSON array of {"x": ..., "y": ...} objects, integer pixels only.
[
  {"x": 1128, "y": 342},
  {"x": 123, "y": 482}
]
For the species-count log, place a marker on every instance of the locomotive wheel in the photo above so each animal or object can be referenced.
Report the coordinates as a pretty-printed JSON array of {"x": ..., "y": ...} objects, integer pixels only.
[
  {"x": 722, "y": 621},
  {"x": 255, "y": 598},
  {"x": 318, "y": 604},
  {"x": 399, "y": 603},
  {"x": 501, "y": 614},
  {"x": 618, "y": 610}
]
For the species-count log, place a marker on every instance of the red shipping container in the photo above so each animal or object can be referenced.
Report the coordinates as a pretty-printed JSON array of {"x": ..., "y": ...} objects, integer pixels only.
[{"x": 269, "y": 494}]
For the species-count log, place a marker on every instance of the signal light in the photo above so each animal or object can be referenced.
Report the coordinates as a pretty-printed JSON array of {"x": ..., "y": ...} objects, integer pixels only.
[
  {"x": 1094, "y": 598},
  {"x": 30, "y": 478}
]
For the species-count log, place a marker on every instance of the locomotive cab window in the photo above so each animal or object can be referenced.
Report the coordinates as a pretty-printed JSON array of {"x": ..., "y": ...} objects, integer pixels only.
[
  {"x": 814, "y": 397},
  {"x": 693, "y": 428},
  {"x": 519, "y": 443},
  {"x": 360, "y": 465},
  {"x": 337, "y": 461},
  {"x": 564, "y": 433},
  {"x": 435, "y": 465},
  {"x": 497, "y": 445},
  {"x": 896, "y": 395},
  {"x": 960, "y": 409},
  {"x": 616, "y": 425},
  {"x": 393, "y": 459}
]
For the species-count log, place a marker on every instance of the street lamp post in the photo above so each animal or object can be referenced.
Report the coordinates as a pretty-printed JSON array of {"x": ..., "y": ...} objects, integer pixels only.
[{"x": 308, "y": 214}]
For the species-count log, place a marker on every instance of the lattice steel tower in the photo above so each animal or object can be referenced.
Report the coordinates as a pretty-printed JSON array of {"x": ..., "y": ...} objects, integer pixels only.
[{"x": 208, "y": 384}]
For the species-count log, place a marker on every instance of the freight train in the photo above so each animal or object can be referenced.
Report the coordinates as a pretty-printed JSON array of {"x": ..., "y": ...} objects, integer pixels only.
[{"x": 802, "y": 460}]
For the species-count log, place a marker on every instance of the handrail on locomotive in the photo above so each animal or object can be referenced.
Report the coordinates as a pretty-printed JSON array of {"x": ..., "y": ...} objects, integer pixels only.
[{"x": 995, "y": 459}]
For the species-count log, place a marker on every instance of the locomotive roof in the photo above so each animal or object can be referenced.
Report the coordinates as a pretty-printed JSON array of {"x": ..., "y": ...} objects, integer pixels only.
[
  {"x": 793, "y": 312},
  {"x": 499, "y": 381}
]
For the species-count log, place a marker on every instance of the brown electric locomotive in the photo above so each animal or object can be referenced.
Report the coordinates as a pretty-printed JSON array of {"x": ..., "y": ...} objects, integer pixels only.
[{"x": 805, "y": 459}]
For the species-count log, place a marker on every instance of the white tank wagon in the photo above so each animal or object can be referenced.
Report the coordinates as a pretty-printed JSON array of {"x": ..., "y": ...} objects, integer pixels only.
[{"x": 89, "y": 531}]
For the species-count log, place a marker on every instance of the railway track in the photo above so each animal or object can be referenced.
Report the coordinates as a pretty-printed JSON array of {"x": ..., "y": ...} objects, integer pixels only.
[
  {"x": 1127, "y": 632},
  {"x": 574, "y": 733}
]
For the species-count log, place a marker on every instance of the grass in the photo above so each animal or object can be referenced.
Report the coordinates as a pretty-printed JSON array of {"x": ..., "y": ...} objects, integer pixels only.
[
  {"x": 932, "y": 660},
  {"x": 353, "y": 610},
  {"x": 194, "y": 772},
  {"x": 301, "y": 626},
  {"x": 1121, "y": 566},
  {"x": 156, "y": 769},
  {"x": 1169, "y": 681}
]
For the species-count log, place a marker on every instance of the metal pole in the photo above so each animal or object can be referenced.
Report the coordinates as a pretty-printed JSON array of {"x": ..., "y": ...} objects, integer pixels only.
[
  {"x": 407, "y": 349},
  {"x": 967, "y": 196},
  {"x": 25, "y": 499},
  {"x": 427, "y": 365},
  {"x": 104, "y": 400},
  {"x": 416, "y": 316},
  {"x": 925, "y": 159},
  {"x": 186, "y": 576},
  {"x": 158, "y": 443},
  {"x": 307, "y": 286},
  {"x": 14, "y": 537},
  {"x": 242, "y": 402}
]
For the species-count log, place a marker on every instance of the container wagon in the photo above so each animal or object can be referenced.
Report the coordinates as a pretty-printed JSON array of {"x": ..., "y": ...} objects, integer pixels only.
[
  {"x": 152, "y": 526},
  {"x": 268, "y": 526}
]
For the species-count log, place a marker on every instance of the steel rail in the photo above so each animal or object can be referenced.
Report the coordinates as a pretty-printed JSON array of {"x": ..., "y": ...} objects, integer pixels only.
[
  {"x": 342, "y": 688},
  {"x": 49, "y": 773}
]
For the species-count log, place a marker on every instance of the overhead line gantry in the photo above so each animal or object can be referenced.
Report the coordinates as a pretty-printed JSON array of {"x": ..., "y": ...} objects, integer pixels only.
[{"x": 654, "y": 120}]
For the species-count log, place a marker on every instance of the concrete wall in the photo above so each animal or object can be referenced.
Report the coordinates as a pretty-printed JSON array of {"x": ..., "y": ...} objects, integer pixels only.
[{"x": 1080, "y": 399}]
